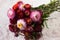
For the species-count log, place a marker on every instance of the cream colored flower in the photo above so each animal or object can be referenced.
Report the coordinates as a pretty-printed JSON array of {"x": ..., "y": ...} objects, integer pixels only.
[{"x": 21, "y": 24}]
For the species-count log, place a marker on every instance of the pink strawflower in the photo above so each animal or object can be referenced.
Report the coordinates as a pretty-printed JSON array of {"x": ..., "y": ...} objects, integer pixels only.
[
  {"x": 35, "y": 15},
  {"x": 11, "y": 13},
  {"x": 21, "y": 5}
]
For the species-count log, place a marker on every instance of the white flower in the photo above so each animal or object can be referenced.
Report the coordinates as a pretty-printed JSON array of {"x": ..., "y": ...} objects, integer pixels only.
[{"x": 21, "y": 24}]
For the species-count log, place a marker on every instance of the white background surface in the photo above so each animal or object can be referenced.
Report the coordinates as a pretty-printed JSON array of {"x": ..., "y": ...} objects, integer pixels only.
[{"x": 51, "y": 33}]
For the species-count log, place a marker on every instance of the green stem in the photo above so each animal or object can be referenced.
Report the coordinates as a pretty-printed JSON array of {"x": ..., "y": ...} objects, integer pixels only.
[
  {"x": 48, "y": 9},
  {"x": 46, "y": 24}
]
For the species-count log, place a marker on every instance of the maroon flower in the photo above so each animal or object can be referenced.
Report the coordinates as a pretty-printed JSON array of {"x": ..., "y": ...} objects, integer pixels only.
[
  {"x": 38, "y": 27},
  {"x": 13, "y": 21},
  {"x": 27, "y": 6},
  {"x": 29, "y": 29},
  {"x": 11, "y": 28},
  {"x": 19, "y": 14},
  {"x": 28, "y": 21},
  {"x": 27, "y": 12}
]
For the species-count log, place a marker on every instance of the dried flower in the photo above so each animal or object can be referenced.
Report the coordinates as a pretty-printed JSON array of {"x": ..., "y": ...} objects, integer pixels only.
[
  {"x": 21, "y": 5},
  {"x": 21, "y": 24},
  {"x": 35, "y": 15},
  {"x": 27, "y": 6},
  {"x": 11, "y": 13}
]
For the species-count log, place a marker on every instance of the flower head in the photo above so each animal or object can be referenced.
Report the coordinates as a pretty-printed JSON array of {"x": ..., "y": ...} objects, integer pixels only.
[
  {"x": 15, "y": 7},
  {"x": 21, "y": 24},
  {"x": 35, "y": 15},
  {"x": 27, "y": 13},
  {"x": 21, "y": 5},
  {"x": 11, "y": 13},
  {"x": 27, "y": 6}
]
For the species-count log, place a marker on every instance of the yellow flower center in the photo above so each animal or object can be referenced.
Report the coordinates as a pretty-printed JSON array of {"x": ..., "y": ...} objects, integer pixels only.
[{"x": 20, "y": 25}]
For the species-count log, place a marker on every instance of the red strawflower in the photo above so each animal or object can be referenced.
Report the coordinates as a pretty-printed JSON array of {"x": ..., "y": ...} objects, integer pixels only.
[
  {"x": 15, "y": 7},
  {"x": 13, "y": 21},
  {"x": 38, "y": 27},
  {"x": 27, "y": 12},
  {"x": 29, "y": 29},
  {"x": 28, "y": 21},
  {"x": 27, "y": 6},
  {"x": 19, "y": 14},
  {"x": 11, "y": 28}
]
